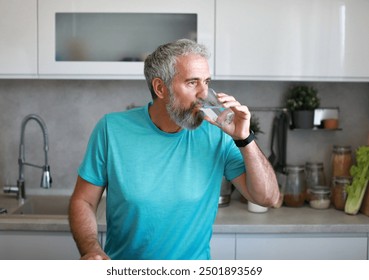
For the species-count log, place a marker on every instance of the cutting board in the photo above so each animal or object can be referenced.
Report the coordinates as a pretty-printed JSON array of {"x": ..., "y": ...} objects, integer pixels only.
[{"x": 365, "y": 204}]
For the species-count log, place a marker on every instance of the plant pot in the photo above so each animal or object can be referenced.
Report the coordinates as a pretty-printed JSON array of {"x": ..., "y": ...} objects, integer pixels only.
[{"x": 303, "y": 119}]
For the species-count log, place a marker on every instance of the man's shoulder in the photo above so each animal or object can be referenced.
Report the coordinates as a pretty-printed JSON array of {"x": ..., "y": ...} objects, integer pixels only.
[{"x": 125, "y": 115}]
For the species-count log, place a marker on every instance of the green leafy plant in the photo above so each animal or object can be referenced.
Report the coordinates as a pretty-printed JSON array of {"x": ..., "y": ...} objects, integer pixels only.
[
  {"x": 255, "y": 125},
  {"x": 360, "y": 174},
  {"x": 302, "y": 97}
]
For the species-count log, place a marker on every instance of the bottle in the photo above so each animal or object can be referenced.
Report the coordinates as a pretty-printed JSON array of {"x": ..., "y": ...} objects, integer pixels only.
[
  {"x": 314, "y": 176},
  {"x": 341, "y": 160},
  {"x": 295, "y": 188},
  {"x": 339, "y": 193}
]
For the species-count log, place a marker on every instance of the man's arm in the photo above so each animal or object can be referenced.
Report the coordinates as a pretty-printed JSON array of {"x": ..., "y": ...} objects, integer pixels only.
[
  {"x": 82, "y": 219},
  {"x": 260, "y": 184}
]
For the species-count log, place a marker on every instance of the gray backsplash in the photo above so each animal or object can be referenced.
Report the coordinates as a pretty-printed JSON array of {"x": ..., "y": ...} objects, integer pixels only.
[{"x": 71, "y": 108}]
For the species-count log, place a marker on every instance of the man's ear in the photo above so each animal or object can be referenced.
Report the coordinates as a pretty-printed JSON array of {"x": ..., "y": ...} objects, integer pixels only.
[{"x": 159, "y": 88}]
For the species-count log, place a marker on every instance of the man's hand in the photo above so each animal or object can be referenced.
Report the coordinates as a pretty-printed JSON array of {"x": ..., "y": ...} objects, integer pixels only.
[
  {"x": 239, "y": 128},
  {"x": 95, "y": 256}
]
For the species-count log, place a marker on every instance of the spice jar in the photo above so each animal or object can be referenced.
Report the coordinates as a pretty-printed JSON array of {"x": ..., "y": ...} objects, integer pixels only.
[
  {"x": 314, "y": 176},
  {"x": 320, "y": 197},
  {"x": 341, "y": 160},
  {"x": 295, "y": 187},
  {"x": 339, "y": 193}
]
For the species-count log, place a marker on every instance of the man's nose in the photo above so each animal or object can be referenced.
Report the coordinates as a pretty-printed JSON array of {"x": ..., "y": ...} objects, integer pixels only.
[{"x": 203, "y": 92}]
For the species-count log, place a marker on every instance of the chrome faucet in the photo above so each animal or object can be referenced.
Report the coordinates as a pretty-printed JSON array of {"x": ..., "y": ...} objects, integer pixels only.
[{"x": 45, "y": 178}]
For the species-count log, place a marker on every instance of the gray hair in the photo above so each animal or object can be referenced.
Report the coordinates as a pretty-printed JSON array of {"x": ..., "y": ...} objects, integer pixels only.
[{"x": 162, "y": 62}]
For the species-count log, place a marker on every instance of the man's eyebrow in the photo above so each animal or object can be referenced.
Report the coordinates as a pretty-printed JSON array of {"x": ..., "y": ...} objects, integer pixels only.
[
  {"x": 192, "y": 79},
  {"x": 197, "y": 79}
]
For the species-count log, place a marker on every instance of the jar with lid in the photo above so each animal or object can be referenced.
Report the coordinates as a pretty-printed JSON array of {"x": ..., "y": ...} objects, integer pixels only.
[
  {"x": 341, "y": 160},
  {"x": 314, "y": 176},
  {"x": 339, "y": 193},
  {"x": 320, "y": 197},
  {"x": 295, "y": 187}
]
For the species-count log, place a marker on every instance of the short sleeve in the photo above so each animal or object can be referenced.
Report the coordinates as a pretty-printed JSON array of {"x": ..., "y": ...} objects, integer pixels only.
[
  {"x": 93, "y": 167},
  {"x": 234, "y": 165}
]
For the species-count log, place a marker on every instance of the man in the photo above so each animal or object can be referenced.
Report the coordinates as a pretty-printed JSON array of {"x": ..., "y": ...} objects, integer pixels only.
[{"x": 162, "y": 166}]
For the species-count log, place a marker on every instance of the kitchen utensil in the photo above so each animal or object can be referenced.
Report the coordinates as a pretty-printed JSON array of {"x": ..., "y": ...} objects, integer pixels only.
[
  {"x": 281, "y": 132},
  {"x": 273, "y": 158},
  {"x": 282, "y": 141},
  {"x": 279, "y": 165},
  {"x": 226, "y": 190},
  {"x": 285, "y": 125}
]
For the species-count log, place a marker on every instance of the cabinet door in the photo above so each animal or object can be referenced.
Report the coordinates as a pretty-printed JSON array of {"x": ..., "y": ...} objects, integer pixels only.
[
  {"x": 18, "y": 38},
  {"x": 32, "y": 245},
  {"x": 292, "y": 40},
  {"x": 301, "y": 247},
  {"x": 222, "y": 246},
  {"x": 110, "y": 39}
]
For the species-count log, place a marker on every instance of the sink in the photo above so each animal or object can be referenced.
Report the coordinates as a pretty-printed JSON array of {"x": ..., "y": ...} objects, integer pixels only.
[{"x": 44, "y": 205}]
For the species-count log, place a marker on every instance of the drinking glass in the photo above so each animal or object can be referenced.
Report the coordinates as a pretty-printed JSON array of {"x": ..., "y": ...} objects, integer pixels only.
[{"x": 215, "y": 110}]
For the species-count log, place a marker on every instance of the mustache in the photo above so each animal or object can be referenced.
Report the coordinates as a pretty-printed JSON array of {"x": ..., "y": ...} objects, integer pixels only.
[{"x": 197, "y": 103}]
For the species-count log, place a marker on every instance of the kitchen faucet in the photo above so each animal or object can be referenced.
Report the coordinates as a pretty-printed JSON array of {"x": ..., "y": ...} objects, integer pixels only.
[{"x": 45, "y": 179}]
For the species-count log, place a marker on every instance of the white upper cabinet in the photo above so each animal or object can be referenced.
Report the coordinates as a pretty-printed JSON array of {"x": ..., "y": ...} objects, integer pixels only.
[
  {"x": 292, "y": 40},
  {"x": 18, "y": 38},
  {"x": 111, "y": 38},
  {"x": 311, "y": 40}
]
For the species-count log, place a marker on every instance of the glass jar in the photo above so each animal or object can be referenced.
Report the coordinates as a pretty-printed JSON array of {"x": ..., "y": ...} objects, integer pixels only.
[
  {"x": 295, "y": 188},
  {"x": 339, "y": 193},
  {"x": 341, "y": 160},
  {"x": 320, "y": 197},
  {"x": 314, "y": 176}
]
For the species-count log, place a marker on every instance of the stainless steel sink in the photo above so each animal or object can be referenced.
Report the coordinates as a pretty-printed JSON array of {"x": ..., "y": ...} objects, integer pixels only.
[{"x": 44, "y": 205}]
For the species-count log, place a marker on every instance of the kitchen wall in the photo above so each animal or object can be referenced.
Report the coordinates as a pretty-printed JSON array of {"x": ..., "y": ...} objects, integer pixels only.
[{"x": 71, "y": 108}]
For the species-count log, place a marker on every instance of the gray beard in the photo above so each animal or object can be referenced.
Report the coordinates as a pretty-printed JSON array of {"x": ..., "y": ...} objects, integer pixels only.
[{"x": 185, "y": 118}]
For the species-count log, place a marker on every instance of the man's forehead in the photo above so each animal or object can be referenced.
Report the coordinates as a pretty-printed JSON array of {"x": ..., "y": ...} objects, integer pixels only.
[{"x": 193, "y": 67}]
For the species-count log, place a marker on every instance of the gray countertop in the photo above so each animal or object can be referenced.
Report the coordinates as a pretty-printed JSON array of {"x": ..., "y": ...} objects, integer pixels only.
[
  {"x": 237, "y": 219},
  {"x": 234, "y": 218}
]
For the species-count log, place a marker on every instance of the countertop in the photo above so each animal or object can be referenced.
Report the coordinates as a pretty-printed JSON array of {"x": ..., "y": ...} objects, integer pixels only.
[
  {"x": 234, "y": 218},
  {"x": 237, "y": 219}
]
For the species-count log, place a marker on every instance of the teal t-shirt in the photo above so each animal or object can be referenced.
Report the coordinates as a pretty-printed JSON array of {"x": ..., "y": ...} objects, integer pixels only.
[{"x": 162, "y": 188}]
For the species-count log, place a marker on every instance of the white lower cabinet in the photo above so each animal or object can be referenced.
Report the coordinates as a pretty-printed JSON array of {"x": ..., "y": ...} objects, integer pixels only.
[
  {"x": 312, "y": 246},
  {"x": 223, "y": 246},
  {"x": 35, "y": 245},
  {"x": 302, "y": 246}
]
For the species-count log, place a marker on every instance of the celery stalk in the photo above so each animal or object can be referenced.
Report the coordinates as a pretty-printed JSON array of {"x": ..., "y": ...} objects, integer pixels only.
[{"x": 360, "y": 174}]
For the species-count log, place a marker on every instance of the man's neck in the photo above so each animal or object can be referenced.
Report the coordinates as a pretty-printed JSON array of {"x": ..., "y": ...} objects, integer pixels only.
[{"x": 160, "y": 117}]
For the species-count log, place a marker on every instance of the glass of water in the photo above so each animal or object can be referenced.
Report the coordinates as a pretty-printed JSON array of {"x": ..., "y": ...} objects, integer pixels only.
[{"x": 215, "y": 110}]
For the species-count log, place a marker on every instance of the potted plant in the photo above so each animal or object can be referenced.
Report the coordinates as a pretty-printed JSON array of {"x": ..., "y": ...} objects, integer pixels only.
[
  {"x": 255, "y": 125},
  {"x": 301, "y": 101}
]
